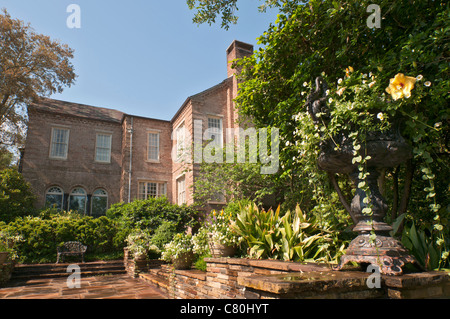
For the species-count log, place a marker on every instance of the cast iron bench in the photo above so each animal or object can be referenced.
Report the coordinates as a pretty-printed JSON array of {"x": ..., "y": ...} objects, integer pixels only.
[{"x": 71, "y": 248}]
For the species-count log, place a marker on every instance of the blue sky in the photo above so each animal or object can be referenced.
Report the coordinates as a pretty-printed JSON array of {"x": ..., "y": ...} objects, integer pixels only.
[{"x": 142, "y": 57}]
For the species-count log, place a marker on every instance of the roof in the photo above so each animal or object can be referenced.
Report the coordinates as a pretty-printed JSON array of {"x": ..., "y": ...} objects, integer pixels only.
[
  {"x": 79, "y": 110},
  {"x": 103, "y": 114},
  {"x": 199, "y": 95}
]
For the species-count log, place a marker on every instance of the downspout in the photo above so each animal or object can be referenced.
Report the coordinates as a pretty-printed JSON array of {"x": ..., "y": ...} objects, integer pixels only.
[{"x": 131, "y": 160}]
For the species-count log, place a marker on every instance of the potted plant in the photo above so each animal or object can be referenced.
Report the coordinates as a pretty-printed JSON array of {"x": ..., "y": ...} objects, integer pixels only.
[
  {"x": 222, "y": 240},
  {"x": 179, "y": 251},
  {"x": 139, "y": 245}
]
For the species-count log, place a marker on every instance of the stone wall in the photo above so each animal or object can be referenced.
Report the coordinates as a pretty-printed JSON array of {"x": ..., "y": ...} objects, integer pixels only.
[{"x": 231, "y": 278}]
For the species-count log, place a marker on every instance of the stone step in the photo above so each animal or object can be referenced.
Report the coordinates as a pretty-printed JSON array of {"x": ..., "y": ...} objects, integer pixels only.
[{"x": 41, "y": 271}]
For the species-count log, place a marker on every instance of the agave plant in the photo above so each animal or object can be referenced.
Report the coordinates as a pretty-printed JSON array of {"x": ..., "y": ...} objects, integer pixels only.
[
  {"x": 291, "y": 237},
  {"x": 258, "y": 228}
]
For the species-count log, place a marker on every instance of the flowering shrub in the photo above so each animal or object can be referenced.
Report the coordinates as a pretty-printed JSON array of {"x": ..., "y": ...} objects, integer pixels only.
[
  {"x": 200, "y": 242},
  {"x": 180, "y": 245},
  {"x": 220, "y": 231},
  {"x": 139, "y": 244}
]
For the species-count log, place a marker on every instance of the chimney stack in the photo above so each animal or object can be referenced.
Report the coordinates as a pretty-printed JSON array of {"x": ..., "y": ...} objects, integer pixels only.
[{"x": 237, "y": 50}]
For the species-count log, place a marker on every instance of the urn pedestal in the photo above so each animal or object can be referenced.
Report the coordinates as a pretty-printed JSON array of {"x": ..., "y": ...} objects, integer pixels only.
[{"x": 382, "y": 251}]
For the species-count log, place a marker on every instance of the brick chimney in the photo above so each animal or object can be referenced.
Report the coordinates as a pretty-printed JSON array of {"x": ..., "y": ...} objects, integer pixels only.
[{"x": 237, "y": 50}]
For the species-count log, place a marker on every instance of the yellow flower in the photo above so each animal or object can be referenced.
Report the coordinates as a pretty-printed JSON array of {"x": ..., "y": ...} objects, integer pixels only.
[
  {"x": 401, "y": 86},
  {"x": 340, "y": 91},
  {"x": 348, "y": 71}
]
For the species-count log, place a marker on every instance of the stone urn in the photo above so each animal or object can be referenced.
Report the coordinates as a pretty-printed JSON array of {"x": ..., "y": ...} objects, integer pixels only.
[
  {"x": 183, "y": 261},
  {"x": 386, "y": 150},
  {"x": 219, "y": 250}
]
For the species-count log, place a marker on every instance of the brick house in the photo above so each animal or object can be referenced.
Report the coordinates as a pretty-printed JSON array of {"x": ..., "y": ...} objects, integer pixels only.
[{"x": 86, "y": 158}]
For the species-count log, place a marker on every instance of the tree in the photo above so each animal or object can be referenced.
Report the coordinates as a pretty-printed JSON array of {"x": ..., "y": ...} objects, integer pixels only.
[
  {"x": 16, "y": 197},
  {"x": 6, "y": 158},
  {"x": 31, "y": 65},
  {"x": 207, "y": 10},
  {"x": 332, "y": 38}
]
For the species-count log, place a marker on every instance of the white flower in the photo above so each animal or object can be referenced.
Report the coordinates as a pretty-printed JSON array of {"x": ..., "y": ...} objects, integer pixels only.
[
  {"x": 305, "y": 84},
  {"x": 330, "y": 100},
  {"x": 327, "y": 92},
  {"x": 419, "y": 77},
  {"x": 340, "y": 81},
  {"x": 380, "y": 116},
  {"x": 427, "y": 83}
]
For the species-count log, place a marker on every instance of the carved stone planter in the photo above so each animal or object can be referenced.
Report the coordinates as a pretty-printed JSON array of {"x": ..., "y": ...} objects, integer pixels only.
[{"x": 386, "y": 150}]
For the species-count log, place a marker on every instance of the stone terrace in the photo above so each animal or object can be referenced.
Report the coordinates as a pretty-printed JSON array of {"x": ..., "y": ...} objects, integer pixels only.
[{"x": 99, "y": 287}]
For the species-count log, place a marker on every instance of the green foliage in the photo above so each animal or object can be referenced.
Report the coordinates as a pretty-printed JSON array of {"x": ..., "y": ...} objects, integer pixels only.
[
  {"x": 139, "y": 244},
  {"x": 326, "y": 37},
  {"x": 164, "y": 234},
  {"x": 293, "y": 236},
  {"x": 149, "y": 215},
  {"x": 233, "y": 179},
  {"x": 6, "y": 158},
  {"x": 42, "y": 235},
  {"x": 200, "y": 242},
  {"x": 208, "y": 10},
  {"x": 423, "y": 245},
  {"x": 180, "y": 245},
  {"x": 16, "y": 198}
]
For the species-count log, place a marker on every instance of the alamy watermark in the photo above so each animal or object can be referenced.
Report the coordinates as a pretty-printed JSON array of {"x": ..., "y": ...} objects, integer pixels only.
[
  {"x": 374, "y": 280},
  {"x": 74, "y": 19},
  {"x": 239, "y": 145},
  {"x": 74, "y": 280},
  {"x": 374, "y": 20}
]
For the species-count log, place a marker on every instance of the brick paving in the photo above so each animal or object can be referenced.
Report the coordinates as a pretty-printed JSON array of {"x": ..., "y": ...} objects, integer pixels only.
[{"x": 99, "y": 287}]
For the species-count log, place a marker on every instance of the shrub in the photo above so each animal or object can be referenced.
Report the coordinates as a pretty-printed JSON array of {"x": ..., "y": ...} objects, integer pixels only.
[
  {"x": 42, "y": 235},
  {"x": 16, "y": 198},
  {"x": 164, "y": 234},
  {"x": 150, "y": 214}
]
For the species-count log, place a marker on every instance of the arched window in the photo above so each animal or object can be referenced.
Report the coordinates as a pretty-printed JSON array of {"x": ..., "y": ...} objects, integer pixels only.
[
  {"x": 99, "y": 203},
  {"x": 54, "y": 198},
  {"x": 78, "y": 200}
]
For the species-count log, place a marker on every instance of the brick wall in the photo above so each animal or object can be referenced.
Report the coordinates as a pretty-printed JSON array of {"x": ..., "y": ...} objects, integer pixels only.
[{"x": 80, "y": 168}]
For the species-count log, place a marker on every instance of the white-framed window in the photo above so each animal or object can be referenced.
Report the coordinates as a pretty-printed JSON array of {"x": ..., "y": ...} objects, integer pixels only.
[
  {"x": 78, "y": 200},
  {"x": 152, "y": 190},
  {"x": 99, "y": 203},
  {"x": 181, "y": 190},
  {"x": 181, "y": 141},
  {"x": 103, "y": 148},
  {"x": 215, "y": 130},
  {"x": 54, "y": 197},
  {"x": 59, "y": 143},
  {"x": 153, "y": 147}
]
